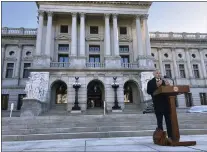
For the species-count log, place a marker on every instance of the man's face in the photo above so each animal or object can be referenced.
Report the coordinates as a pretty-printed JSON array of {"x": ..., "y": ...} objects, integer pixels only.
[{"x": 157, "y": 74}]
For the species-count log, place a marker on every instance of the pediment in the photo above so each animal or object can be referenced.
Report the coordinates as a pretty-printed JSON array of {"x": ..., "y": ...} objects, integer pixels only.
[{"x": 63, "y": 37}]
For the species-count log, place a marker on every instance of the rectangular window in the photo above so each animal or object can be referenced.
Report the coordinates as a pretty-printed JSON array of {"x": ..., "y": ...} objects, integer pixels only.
[
  {"x": 20, "y": 101},
  {"x": 26, "y": 70},
  {"x": 124, "y": 59},
  {"x": 123, "y": 30},
  {"x": 93, "y": 29},
  {"x": 94, "y": 58},
  {"x": 63, "y": 47},
  {"x": 168, "y": 70},
  {"x": 155, "y": 65},
  {"x": 4, "y": 101},
  {"x": 9, "y": 70},
  {"x": 64, "y": 29},
  {"x": 182, "y": 70},
  {"x": 188, "y": 99},
  {"x": 196, "y": 71},
  {"x": 94, "y": 61},
  {"x": 203, "y": 98},
  {"x": 94, "y": 48},
  {"x": 123, "y": 48},
  {"x": 63, "y": 58}
]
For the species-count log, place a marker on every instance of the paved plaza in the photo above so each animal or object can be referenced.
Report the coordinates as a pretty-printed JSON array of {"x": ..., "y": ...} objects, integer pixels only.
[{"x": 103, "y": 144}]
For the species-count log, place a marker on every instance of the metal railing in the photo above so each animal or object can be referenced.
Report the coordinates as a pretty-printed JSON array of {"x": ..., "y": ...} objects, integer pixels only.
[
  {"x": 60, "y": 64},
  {"x": 95, "y": 65}
]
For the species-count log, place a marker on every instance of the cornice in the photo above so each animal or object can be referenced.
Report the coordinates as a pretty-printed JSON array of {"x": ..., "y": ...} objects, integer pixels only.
[{"x": 142, "y": 3}]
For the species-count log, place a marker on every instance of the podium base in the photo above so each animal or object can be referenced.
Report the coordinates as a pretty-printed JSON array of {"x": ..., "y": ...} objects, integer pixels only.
[{"x": 183, "y": 143}]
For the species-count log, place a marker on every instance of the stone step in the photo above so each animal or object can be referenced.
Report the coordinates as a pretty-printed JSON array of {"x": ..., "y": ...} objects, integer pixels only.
[
  {"x": 94, "y": 135},
  {"x": 17, "y": 131},
  {"x": 118, "y": 117}
]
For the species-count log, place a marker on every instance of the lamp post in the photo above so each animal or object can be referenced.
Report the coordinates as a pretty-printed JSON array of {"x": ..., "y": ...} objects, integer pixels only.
[
  {"x": 76, "y": 85},
  {"x": 115, "y": 85}
]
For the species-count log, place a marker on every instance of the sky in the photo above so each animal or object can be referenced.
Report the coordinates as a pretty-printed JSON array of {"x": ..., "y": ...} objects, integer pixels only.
[{"x": 163, "y": 16}]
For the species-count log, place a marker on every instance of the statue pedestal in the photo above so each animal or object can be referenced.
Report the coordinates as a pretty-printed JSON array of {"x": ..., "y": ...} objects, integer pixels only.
[{"x": 33, "y": 107}]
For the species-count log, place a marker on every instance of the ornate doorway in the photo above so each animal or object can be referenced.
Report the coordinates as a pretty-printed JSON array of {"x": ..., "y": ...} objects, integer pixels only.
[{"x": 95, "y": 94}]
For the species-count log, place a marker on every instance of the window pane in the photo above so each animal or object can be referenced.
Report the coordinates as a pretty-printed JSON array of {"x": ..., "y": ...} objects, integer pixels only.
[
  {"x": 9, "y": 73},
  {"x": 4, "y": 101},
  {"x": 124, "y": 48},
  {"x": 26, "y": 73},
  {"x": 97, "y": 59},
  {"x": 123, "y": 30},
  {"x": 93, "y": 29},
  {"x": 10, "y": 65},
  {"x": 27, "y": 65},
  {"x": 63, "y": 47},
  {"x": 20, "y": 101},
  {"x": 94, "y": 48},
  {"x": 64, "y": 29}
]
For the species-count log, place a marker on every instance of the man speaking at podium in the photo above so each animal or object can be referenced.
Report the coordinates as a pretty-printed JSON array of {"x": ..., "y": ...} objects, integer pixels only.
[{"x": 160, "y": 102}]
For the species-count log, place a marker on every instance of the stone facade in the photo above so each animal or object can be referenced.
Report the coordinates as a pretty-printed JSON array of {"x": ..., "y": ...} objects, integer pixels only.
[{"x": 41, "y": 48}]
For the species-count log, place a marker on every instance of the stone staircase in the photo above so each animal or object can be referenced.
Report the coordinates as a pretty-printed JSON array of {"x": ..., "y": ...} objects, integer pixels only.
[{"x": 93, "y": 126}]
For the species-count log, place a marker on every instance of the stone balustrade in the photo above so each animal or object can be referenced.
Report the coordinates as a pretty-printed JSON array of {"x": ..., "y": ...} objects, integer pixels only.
[
  {"x": 171, "y": 35},
  {"x": 18, "y": 31},
  {"x": 60, "y": 64},
  {"x": 153, "y": 35}
]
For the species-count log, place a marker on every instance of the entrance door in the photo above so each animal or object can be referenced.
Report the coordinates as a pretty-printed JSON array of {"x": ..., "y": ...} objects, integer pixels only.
[{"x": 94, "y": 95}]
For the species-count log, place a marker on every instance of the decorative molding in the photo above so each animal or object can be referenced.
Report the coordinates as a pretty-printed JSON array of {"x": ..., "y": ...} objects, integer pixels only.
[
  {"x": 49, "y": 13},
  {"x": 74, "y": 14},
  {"x": 63, "y": 37},
  {"x": 40, "y": 12}
]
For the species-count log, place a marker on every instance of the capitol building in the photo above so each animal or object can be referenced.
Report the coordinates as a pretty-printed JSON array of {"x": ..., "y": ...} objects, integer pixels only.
[{"x": 81, "y": 50}]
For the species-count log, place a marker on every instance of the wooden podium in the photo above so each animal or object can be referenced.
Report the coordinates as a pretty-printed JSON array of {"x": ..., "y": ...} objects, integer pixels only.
[{"x": 172, "y": 91}]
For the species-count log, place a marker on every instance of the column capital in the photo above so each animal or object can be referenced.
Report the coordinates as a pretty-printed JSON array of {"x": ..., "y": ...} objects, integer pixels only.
[
  {"x": 200, "y": 49},
  {"x": 115, "y": 15},
  {"x": 186, "y": 48},
  {"x": 145, "y": 16},
  {"x": 173, "y": 48},
  {"x": 20, "y": 46},
  {"x": 159, "y": 48},
  {"x": 82, "y": 14},
  {"x": 40, "y": 12},
  {"x": 49, "y": 13},
  {"x": 107, "y": 15},
  {"x": 137, "y": 16},
  {"x": 74, "y": 14}
]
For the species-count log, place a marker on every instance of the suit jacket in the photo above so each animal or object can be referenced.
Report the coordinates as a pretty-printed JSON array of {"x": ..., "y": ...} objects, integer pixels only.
[{"x": 160, "y": 102}]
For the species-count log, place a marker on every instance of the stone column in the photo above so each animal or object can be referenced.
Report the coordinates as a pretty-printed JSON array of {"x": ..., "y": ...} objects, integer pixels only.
[
  {"x": 203, "y": 63},
  {"x": 107, "y": 45},
  {"x": 160, "y": 60},
  {"x": 190, "y": 73},
  {"x": 82, "y": 34},
  {"x": 74, "y": 35},
  {"x": 175, "y": 63},
  {"x": 139, "y": 37},
  {"x": 39, "y": 33},
  {"x": 147, "y": 38},
  {"x": 115, "y": 35},
  {"x": 18, "y": 68},
  {"x": 49, "y": 33},
  {"x": 3, "y": 48}
]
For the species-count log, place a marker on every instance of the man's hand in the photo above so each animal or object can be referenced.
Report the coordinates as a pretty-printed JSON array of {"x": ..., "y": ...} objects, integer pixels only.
[
  {"x": 159, "y": 83},
  {"x": 167, "y": 83}
]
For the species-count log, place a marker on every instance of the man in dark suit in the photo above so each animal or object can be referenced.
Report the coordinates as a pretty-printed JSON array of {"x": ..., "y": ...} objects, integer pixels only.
[{"x": 160, "y": 102}]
